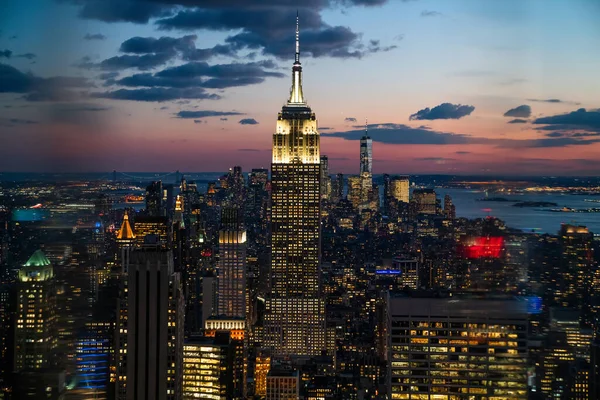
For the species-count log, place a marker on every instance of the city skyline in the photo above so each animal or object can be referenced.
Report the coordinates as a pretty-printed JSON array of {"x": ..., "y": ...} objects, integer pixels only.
[{"x": 459, "y": 87}]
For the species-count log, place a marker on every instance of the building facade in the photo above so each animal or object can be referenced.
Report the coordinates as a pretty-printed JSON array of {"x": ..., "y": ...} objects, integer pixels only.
[
  {"x": 457, "y": 347},
  {"x": 295, "y": 310}
]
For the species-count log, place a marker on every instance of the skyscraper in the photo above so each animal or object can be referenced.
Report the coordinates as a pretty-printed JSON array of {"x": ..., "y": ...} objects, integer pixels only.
[
  {"x": 154, "y": 199},
  {"x": 150, "y": 328},
  {"x": 231, "y": 270},
  {"x": 325, "y": 179},
  {"x": 366, "y": 153},
  {"x": 295, "y": 311},
  {"x": 457, "y": 347}
]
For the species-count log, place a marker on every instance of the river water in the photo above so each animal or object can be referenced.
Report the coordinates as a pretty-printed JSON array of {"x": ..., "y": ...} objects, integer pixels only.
[{"x": 525, "y": 218}]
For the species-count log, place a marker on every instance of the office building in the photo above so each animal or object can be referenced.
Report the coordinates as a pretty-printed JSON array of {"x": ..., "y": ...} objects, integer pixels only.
[
  {"x": 457, "y": 347},
  {"x": 231, "y": 269},
  {"x": 295, "y": 309},
  {"x": 325, "y": 179},
  {"x": 36, "y": 361},
  {"x": 35, "y": 328},
  {"x": 425, "y": 201},
  {"x": 337, "y": 188},
  {"x": 150, "y": 328},
  {"x": 154, "y": 199},
  {"x": 400, "y": 188},
  {"x": 210, "y": 368},
  {"x": 283, "y": 384},
  {"x": 152, "y": 230}
]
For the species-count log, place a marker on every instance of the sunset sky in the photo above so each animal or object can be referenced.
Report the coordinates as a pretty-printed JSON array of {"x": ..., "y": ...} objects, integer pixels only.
[{"x": 447, "y": 86}]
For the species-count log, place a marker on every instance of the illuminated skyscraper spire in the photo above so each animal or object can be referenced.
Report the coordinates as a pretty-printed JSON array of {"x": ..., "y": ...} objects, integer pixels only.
[{"x": 296, "y": 96}]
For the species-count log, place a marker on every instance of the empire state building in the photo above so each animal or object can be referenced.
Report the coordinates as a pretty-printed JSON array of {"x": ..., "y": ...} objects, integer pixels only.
[{"x": 295, "y": 310}]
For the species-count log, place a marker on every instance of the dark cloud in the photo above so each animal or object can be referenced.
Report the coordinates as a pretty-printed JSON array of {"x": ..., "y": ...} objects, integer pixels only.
[
  {"x": 324, "y": 128},
  {"x": 12, "y": 122},
  {"x": 403, "y": 134},
  {"x": 156, "y": 94},
  {"x": 436, "y": 159},
  {"x": 29, "y": 56},
  {"x": 205, "y": 113},
  {"x": 427, "y": 13},
  {"x": 517, "y": 121},
  {"x": 463, "y": 152},
  {"x": 58, "y": 88},
  {"x": 94, "y": 36},
  {"x": 250, "y": 150},
  {"x": 5, "y": 53},
  {"x": 202, "y": 75},
  {"x": 269, "y": 30},
  {"x": 223, "y": 119},
  {"x": 82, "y": 114},
  {"x": 554, "y": 101},
  {"x": 580, "y": 119},
  {"x": 443, "y": 111},
  {"x": 350, "y": 119},
  {"x": 248, "y": 121},
  {"x": 108, "y": 75},
  {"x": 523, "y": 111},
  {"x": 555, "y": 134},
  {"x": 165, "y": 44},
  {"x": 143, "y": 62},
  {"x": 137, "y": 11}
]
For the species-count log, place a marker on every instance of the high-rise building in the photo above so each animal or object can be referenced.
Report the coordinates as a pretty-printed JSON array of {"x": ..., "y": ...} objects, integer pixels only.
[
  {"x": 295, "y": 310},
  {"x": 337, "y": 188},
  {"x": 152, "y": 230},
  {"x": 35, "y": 358},
  {"x": 231, "y": 269},
  {"x": 449, "y": 208},
  {"x": 35, "y": 328},
  {"x": 574, "y": 283},
  {"x": 425, "y": 201},
  {"x": 150, "y": 328},
  {"x": 325, "y": 179},
  {"x": 283, "y": 384},
  {"x": 210, "y": 368},
  {"x": 457, "y": 347},
  {"x": 400, "y": 188},
  {"x": 366, "y": 153},
  {"x": 154, "y": 199}
]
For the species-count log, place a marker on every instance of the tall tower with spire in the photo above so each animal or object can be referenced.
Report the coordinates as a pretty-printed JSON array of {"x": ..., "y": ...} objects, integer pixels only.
[
  {"x": 295, "y": 309},
  {"x": 366, "y": 168}
]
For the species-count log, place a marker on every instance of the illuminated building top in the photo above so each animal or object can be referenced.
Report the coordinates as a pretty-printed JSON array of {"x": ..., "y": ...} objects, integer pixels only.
[
  {"x": 37, "y": 268},
  {"x": 125, "y": 233},
  {"x": 296, "y": 139}
]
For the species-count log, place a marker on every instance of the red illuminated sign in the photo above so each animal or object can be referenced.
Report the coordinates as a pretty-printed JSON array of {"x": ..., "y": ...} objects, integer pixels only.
[{"x": 483, "y": 247}]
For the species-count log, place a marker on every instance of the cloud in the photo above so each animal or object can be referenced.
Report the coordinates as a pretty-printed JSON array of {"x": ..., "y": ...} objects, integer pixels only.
[
  {"x": 205, "y": 113},
  {"x": 94, "y": 36},
  {"x": 83, "y": 114},
  {"x": 165, "y": 44},
  {"x": 59, "y": 88},
  {"x": 248, "y": 121},
  {"x": 324, "y": 128},
  {"x": 29, "y": 56},
  {"x": 136, "y": 11},
  {"x": 392, "y": 133},
  {"x": 517, "y": 121},
  {"x": 250, "y": 150},
  {"x": 443, "y": 111},
  {"x": 5, "y": 53},
  {"x": 427, "y": 13},
  {"x": 224, "y": 119},
  {"x": 554, "y": 101},
  {"x": 143, "y": 62},
  {"x": 463, "y": 152},
  {"x": 108, "y": 75},
  {"x": 268, "y": 29},
  {"x": 350, "y": 119},
  {"x": 436, "y": 159},
  {"x": 156, "y": 94},
  {"x": 11, "y": 122},
  {"x": 523, "y": 111},
  {"x": 580, "y": 119}
]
